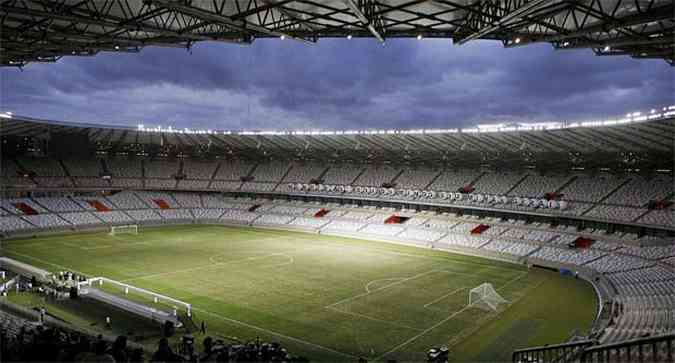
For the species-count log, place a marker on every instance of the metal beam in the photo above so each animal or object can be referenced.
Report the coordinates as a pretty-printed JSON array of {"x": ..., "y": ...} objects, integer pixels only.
[
  {"x": 362, "y": 17},
  {"x": 524, "y": 10},
  {"x": 661, "y": 13},
  {"x": 209, "y": 16}
]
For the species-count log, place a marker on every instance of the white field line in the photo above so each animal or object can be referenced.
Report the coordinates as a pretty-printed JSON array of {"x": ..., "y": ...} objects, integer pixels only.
[
  {"x": 14, "y": 244},
  {"x": 216, "y": 264},
  {"x": 443, "y": 321},
  {"x": 457, "y": 273},
  {"x": 297, "y": 340},
  {"x": 215, "y": 261},
  {"x": 513, "y": 280},
  {"x": 372, "y": 318},
  {"x": 381, "y": 288},
  {"x": 444, "y": 296},
  {"x": 202, "y": 267},
  {"x": 48, "y": 263},
  {"x": 423, "y": 332},
  {"x": 96, "y": 247},
  {"x": 290, "y": 261},
  {"x": 374, "y": 281}
]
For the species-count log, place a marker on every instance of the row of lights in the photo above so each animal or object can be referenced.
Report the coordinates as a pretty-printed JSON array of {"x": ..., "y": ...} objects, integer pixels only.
[
  {"x": 632, "y": 117},
  {"x": 283, "y": 37},
  {"x": 607, "y": 48}
]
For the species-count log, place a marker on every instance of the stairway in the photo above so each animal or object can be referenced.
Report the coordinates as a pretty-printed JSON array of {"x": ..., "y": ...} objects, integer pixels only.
[
  {"x": 67, "y": 172},
  {"x": 566, "y": 184},
  {"x": 290, "y": 167},
  {"x": 433, "y": 180},
  {"x": 516, "y": 184},
  {"x": 213, "y": 176},
  {"x": 358, "y": 176}
]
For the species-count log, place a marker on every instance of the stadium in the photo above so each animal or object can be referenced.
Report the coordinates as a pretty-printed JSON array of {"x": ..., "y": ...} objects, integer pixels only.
[{"x": 546, "y": 241}]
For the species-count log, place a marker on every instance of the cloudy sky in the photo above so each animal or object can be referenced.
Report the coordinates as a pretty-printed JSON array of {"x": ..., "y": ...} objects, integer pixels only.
[{"x": 337, "y": 84}]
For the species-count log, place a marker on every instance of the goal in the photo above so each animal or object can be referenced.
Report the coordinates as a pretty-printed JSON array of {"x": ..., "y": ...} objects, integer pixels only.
[
  {"x": 129, "y": 229},
  {"x": 485, "y": 297}
]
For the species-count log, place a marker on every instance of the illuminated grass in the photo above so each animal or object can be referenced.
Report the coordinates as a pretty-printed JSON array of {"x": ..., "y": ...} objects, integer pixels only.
[{"x": 329, "y": 298}]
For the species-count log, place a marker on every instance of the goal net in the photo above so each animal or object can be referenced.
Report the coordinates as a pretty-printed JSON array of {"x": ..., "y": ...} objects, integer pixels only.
[
  {"x": 128, "y": 229},
  {"x": 484, "y": 296}
]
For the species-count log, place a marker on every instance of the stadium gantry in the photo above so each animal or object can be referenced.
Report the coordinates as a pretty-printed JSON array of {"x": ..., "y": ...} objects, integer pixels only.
[{"x": 46, "y": 30}]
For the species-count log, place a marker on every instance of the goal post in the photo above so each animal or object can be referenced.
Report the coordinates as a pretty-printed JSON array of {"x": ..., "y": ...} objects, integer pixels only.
[
  {"x": 125, "y": 229},
  {"x": 485, "y": 297}
]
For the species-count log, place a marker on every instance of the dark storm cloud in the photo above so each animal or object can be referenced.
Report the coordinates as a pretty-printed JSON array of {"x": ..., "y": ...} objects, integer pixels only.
[{"x": 337, "y": 84}]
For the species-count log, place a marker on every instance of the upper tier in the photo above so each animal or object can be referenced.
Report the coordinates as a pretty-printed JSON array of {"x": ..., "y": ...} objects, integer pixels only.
[{"x": 604, "y": 196}]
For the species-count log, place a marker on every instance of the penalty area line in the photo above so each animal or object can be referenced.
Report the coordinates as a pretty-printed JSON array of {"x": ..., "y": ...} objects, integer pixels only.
[
  {"x": 424, "y": 332},
  {"x": 297, "y": 340},
  {"x": 372, "y": 318},
  {"x": 444, "y": 296}
]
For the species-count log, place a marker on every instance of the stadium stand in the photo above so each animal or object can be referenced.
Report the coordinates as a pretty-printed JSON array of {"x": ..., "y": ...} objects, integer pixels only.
[
  {"x": 636, "y": 272},
  {"x": 496, "y": 183},
  {"x": 536, "y": 186},
  {"x": 58, "y": 204},
  {"x": 304, "y": 173},
  {"x": 144, "y": 215},
  {"x": 81, "y": 219},
  {"x": 232, "y": 170},
  {"x": 187, "y": 200},
  {"x": 46, "y": 172},
  {"x": 415, "y": 178},
  {"x": 639, "y": 191},
  {"x": 12, "y": 174},
  {"x": 342, "y": 174},
  {"x": 126, "y": 200},
  {"x": 614, "y": 226},
  {"x": 453, "y": 180}
]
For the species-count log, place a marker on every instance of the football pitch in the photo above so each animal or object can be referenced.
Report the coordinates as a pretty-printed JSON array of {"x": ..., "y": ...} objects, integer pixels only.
[{"x": 329, "y": 298}]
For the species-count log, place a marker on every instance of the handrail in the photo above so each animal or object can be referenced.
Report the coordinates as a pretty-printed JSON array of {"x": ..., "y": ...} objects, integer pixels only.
[
  {"x": 652, "y": 349},
  {"x": 549, "y": 353}
]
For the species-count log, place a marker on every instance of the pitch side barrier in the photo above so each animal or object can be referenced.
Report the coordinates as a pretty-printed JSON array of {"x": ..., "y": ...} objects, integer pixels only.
[
  {"x": 566, "y": 352},
  {"x": 24, "y": 269},
  {"x": 652, "y": 349},
  {"x": 131, "y": 306}
]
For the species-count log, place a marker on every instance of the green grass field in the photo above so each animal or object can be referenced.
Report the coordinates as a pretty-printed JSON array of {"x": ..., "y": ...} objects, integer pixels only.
[{"x": 329, "y": 298}]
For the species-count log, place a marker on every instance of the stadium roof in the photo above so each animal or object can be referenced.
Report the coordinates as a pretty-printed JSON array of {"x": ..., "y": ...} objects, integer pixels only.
[
  {"x": 635, "y": 141},
  {"x": 45, "y": 30}
]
